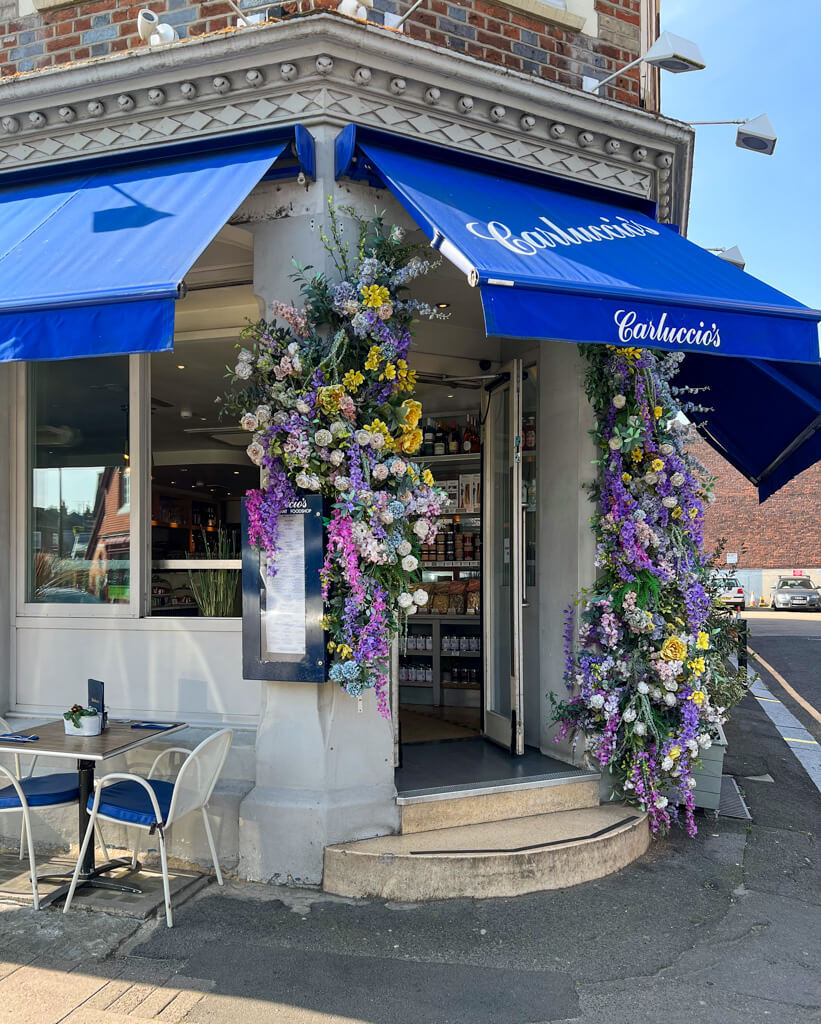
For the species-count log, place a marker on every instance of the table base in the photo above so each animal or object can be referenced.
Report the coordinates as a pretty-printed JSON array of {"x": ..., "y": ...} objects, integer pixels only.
[{"x": 90, "y": 880}]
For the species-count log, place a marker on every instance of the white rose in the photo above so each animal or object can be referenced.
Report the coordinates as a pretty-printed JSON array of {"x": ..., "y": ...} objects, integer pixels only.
[
  {"x": 705, "y": 741},
  {"x": 420, "y": 597},
  {"x": 386, "y": 517},
  {"x": 404, "y": 548},
  {"x": 245, "y": 356},
  {"x": 255, "y": 452},
  {"x": 249, "y": 421},
  {"x": 597, "y": 701},
  {"x": 614, "y": 443},
  {"x": 293, "y": 349},
  {"x": 377, "y": 441},
  {"x": 263, "y": 415},
  {"x": 671, "y": 685},
  {"x": 363, "y": 438},
  {"x": 667, "y": 449},
  {"x": 690, "y": 783},
  {"x": 342, "y": 483},
  {"x": 412, "y": 610},
  {"x": 302, "y": 407},
  {"x": 399, "y": 468},
  {"x": 640, "y": 729},
  {"x": 650, "y": 478},
  {"x": 677, "y": 479},
  {"x": 409, "y": 563},
  {"x": 667, "y": 764},
  {"x": 655, "y": 693},
  {"x": 323, "y": 438},
  {"x": 661, "y": 802},
  {"x": 380, "y": 472},
  {"x": 619, "y": 401},
  {"x": 405, "y": 600},
  {"x": 303, "y": 481},
  {"x": 643, "y": 687},
  {"x": 280, "y": 417},
  {"x": 337, "y": 457},
  {"x": 243, "y": 370},
  {"x": 669, "y": 502},
  {"x": 630, "y": 715},
  {"x": 421, "y": 528},
  {"x": 337, "y": 428},
  {"x": 670, "y": 699}
]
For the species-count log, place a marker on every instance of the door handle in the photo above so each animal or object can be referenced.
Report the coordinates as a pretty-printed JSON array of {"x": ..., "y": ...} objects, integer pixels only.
[{"x": 524, "y": 555}]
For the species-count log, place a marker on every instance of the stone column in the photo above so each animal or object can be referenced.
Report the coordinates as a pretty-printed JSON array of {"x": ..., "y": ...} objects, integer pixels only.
[{"x": 324, "y": 761}]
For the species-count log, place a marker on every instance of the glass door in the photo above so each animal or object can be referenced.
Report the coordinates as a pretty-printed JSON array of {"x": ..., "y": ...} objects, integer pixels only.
[{"x": 502, "y": 570}]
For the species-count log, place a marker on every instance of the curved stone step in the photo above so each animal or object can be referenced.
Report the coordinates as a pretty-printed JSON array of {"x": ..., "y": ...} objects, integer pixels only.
[{"x": 499, "y": 858}]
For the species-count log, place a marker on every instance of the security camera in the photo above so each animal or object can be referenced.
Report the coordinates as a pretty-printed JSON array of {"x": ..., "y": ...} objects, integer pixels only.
[
  {"x": 147, "y": 22},
  {"x": 757, "y": 134}
]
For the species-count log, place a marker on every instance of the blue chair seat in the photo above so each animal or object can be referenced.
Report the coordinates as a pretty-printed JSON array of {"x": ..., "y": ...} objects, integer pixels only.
[
  {"x": 129, "y": 802},
  {"x": 43, "y": 791}
]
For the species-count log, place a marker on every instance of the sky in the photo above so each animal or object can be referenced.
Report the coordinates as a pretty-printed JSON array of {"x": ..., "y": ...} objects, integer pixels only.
[{"x": 762, "y": 58}]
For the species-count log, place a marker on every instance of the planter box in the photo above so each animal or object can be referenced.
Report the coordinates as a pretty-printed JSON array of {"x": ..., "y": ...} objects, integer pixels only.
[
  {"x": 90, "y": 725},
  {"x": 708, "y": 776}
]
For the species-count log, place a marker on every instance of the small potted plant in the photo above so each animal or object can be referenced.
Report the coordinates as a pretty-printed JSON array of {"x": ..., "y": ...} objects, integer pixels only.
[{"x": 80, "y": 721}]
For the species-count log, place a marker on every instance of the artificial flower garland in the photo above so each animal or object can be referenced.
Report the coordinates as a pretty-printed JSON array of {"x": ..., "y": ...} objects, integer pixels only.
[
  {"x": 645, "y": 670},
  {"x": 329, "y": 401}
]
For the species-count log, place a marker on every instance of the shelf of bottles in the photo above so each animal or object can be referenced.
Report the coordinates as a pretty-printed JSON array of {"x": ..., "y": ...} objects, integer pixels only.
[{"x": 442, "y": 662}]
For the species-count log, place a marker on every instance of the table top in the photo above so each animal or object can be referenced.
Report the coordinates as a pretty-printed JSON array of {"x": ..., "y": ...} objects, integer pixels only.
[{"x": 118, "y": 738}]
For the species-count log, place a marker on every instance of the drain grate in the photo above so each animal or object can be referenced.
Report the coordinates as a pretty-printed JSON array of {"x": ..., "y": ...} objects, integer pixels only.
[{"x": 731, "y": 802}]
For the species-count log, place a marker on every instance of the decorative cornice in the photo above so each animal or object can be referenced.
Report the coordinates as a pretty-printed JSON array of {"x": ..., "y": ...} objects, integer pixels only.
[{"x": 329, "y": 70}]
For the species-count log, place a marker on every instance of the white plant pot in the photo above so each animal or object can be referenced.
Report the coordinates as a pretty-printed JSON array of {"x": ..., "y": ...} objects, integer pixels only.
[{"x": 90, "y": 725}]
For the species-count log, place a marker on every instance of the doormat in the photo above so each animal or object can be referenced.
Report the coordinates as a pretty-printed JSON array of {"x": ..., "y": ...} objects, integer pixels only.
[{"x": 731, "y": 802}]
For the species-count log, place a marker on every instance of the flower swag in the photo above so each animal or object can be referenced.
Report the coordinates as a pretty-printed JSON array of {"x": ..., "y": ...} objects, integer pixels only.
[
  {"x": 647, "y": 668},
  {"x": 328, "y": 396}
]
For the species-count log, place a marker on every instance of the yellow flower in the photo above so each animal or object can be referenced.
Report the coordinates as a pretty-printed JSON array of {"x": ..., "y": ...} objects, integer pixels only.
[
  {"x": 697, "y": 666},
  {"x": 657, "y": 412},
  {"x": 427, "y": 476},
  {"x": 413, "y": 410},
  {"x": 389, "y": 373},
  {"x": 375, "y": 295},
  {"x": 693, "y": 513},
  {"x": 374, "y": 358},
  {"x": 411, "y": 441},
  {"x": 702, "y": 641},
  {"x": 331, "y": 645},
  {"x": 677, "y": 512},
  {"x": 698, "y": 697},
  {"x": 637, "y": 455},
  {"x": 674, "y": 649},
  {"x": 352, "y": 380},
  {"x": 626, "y": 478},
  {"x": 657, "y": 465},
  {"x": 674, "y": 752}
]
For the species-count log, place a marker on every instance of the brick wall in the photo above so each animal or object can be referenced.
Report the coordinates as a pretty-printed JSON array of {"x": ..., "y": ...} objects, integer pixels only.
[
  {"x": 479, "y": 28},
  {"x": 785, "y": 531}
]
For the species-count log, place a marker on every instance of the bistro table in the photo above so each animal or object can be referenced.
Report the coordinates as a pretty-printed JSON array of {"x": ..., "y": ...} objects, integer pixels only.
[{"x": 52, "y": 741}]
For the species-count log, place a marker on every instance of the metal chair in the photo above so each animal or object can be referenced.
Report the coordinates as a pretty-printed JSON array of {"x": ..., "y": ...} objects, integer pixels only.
[
  {"x": 154, "y": 805},
  {"x": 25, "y": 792}
]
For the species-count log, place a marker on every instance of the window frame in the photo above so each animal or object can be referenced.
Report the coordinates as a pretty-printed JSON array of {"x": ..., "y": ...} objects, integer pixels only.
[{"x": 139, "y": 463}]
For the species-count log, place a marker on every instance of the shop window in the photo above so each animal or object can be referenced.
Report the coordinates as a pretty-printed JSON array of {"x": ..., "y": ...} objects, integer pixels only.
[
  {"x": 79, "y": 533},
  {"x": 199, "y": 474}
]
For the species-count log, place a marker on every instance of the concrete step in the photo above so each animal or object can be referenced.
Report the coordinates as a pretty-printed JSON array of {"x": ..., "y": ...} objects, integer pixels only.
[
  {"x": 426, "y": 810},
  {"x": 500, "y": 858}
]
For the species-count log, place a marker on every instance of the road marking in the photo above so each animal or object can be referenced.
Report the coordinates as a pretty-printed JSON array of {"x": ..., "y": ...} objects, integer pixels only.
[
  {"x": 793, "y": 739},
  {"x": 805, "y": 704},
  {"x": 770, "y": 700}
]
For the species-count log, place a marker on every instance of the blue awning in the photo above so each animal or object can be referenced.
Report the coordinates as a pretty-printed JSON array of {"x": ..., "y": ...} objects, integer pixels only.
[
  {"x": 91, "y": 264},
  {"x": 558, "y": 260}
]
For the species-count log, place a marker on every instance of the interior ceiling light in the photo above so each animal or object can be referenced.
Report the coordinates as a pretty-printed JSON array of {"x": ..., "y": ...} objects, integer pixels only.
[
  {"x": 180, "y": 366},
  {"x": 443, "y": 305},
  {"x": 669, "y": 52}
]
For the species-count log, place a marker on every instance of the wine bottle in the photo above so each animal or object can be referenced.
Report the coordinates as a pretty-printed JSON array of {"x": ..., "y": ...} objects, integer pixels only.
[
  {"x": 439, "y": 440},
  {"x": 454, "y": 441},
  {"x": 428, "y": 439},
  {"x": 467, "y": 437}
]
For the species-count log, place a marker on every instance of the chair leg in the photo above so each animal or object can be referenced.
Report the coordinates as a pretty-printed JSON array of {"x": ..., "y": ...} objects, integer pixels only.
[
  {"x": 136, "y": 851},
  {"x": 86, "y": 840},
  {"x": 99, "y": 834},
  {"x": 169, "y": 917},
  {"x": 210, "y": 838},
  {"x": 32, "y": 864},
  {"x": 22, "y": 836}
]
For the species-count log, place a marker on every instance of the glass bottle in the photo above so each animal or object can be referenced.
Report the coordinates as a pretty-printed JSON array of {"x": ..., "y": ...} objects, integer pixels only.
[
  {"x": 428, "y": 439},
  {"x": 439, "y": 441},
  {"x": 454, "y": 440}
]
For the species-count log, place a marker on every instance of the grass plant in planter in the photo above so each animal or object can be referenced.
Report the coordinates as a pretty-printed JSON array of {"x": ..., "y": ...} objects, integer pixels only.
[{"x": 80, "y": 721}]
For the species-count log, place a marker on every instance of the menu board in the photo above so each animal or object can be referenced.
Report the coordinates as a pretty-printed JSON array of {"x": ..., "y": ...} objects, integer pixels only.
[{"x": 282, "y": 635}]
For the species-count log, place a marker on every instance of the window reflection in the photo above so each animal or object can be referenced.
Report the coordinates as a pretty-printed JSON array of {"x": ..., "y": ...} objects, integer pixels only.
[{"x": 79, "y": 482}]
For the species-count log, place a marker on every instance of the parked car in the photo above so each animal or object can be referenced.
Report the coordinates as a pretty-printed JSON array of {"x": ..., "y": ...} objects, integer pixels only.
[
  {"x": 797, "y": 592},
  {"x": 731, "y": 593}
]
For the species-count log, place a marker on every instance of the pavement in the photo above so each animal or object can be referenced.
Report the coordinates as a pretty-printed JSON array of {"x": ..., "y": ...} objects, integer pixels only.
[{"x": 723, "y": 928}]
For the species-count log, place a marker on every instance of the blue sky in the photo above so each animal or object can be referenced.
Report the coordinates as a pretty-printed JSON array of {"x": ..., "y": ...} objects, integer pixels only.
[{"x": 762, "y": 58}]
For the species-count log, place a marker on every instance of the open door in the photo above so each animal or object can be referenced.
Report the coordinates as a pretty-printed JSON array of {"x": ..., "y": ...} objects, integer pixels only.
[{"x": 502, "y": 575}]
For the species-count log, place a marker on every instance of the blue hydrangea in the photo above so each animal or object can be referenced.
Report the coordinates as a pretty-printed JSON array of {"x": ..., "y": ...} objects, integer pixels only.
[
  {"x": 396, "y": 509},
  {"x": 335, "y": 673},
  {"x": 354, "y": 688},
  {"x": 350, "y": 669}
]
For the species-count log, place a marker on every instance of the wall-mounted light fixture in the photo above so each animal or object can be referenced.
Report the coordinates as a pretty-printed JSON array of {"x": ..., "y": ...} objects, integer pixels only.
[
  {"x": 669, "y": 52},
  {"x": 755, "y": 133}
]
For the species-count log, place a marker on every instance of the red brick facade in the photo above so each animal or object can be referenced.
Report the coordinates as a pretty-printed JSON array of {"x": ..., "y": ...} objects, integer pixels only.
[
  {"x": 783, "y": 532},
  {"x": 482, "y": 29}
]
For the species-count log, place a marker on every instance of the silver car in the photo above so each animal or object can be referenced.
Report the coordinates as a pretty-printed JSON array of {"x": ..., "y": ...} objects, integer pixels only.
[
  {"x": 796, "y": 592},
  {"x": 731, "y": 593}
]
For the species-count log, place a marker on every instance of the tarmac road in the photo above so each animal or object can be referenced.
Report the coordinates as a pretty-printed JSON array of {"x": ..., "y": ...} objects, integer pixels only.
[{"x": 791, "y": 643}]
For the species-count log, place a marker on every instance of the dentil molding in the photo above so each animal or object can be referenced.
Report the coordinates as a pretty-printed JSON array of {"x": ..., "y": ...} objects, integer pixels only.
[{"x": 325, "y": 69}]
